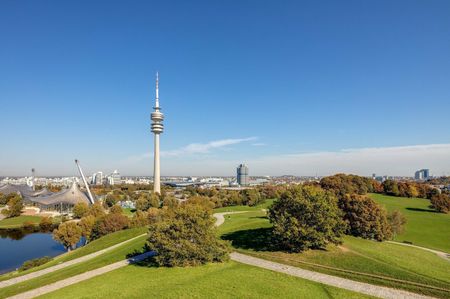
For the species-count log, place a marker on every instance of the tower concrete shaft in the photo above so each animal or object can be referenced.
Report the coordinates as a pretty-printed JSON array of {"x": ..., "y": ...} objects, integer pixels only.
[{"x": 157, "y": 128}]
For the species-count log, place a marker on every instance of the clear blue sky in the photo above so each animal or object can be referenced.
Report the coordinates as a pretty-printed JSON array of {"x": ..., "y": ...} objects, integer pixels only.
[{"x": 274, "y": 83}]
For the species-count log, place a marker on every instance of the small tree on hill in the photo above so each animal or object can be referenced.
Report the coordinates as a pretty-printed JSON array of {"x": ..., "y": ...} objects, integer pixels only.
[
  {"x": 80, "y": 210},
  {"x": 185, "y": 236},
  {"x": 68, "y": 234},
  {"x": 397, "y": 222},
  {"x": 110, "y": 223},
  {"x": 306, "y": 217},
  {"x": 96, "y": 210},
  {"x": 46, "y": 223}
]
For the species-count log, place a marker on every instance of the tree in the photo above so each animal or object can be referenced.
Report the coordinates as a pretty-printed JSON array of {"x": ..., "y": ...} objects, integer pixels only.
[
  {"x": 140, "y": 219},
  {"x": 391, "y": 188},
  {"x": 441, "y": 203},
  {"x": 365, "y": 218},
  {"x": 15, "y": 206},
  {"x": 110, "y": 223},
  {"x": 87, "y": 224},
  {"x": 147, "y": 200},
  {"x": 397, "y": 222},
  {"x": 201, "y": 201},
  {"x": 170, "y": 201},
  {"x": 96, "y": 210},
  {"x": 186, "y": 236},
  {"x": 306, "y": 217},
  {"x": 46, "y": 223},
  {"x": 80, "y": 210},
  {"x": 68, "y": 234},
  {"x": 251, "y": 197}
]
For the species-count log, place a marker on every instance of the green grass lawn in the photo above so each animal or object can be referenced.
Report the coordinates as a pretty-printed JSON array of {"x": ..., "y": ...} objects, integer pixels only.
[
  {"x": 250, "y": 231},
  {"x": 264, "y": 205},
  {"x": 425, "y": 227},
  {"x": 96, "y": 245},
  {"x": 128, "y": 212},
  {"x": 17, "y": 222},
  {"x": 226, "y": 280}
]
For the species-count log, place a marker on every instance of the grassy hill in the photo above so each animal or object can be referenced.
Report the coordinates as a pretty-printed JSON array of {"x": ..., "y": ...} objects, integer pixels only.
[
  {"x": 17, "y": 222},
  {"x": 358, "y": 259},
  {"x": 425, "y": 226}
]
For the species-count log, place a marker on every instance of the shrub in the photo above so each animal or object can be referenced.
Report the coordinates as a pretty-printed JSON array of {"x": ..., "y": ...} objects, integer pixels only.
[
  {"x": 365, "y": 218},
  {"x": 306, "y": 217},
  {"x": 441, "y": 203},
  {"x": 46, "y": 223},
  {"x": 116, "y": 209},
  {"x": 109, "y": 224},
  {"x": 34, "y": 263},
  {"x": 185, "y": 236}
]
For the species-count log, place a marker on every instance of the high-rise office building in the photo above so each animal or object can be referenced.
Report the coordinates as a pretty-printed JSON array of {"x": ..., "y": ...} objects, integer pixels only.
[
  {"x": 157, "y": 128},
  {"x": 114, "y": 178},
  {"x": 242, "y": 175},
  {"x": 97, "y": 178},
  {"x": 421, "y": 175}
]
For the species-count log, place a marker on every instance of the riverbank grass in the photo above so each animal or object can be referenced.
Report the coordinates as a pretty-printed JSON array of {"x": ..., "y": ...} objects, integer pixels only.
[{"x": 18, "y": 222}]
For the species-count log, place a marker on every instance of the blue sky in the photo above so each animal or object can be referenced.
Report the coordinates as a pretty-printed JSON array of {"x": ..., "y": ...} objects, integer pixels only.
[{"x": 290, "y": 87}]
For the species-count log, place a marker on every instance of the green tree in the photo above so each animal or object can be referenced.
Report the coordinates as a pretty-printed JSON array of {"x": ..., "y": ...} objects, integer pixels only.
[
  {"x": 147, "y": 200},
  {"x": 110, "y": 223},
  {"x": 365, "y": 218},
  {"x": 140, "y": 219},
  {"x": 116, "y": 209},
  {"x": 186, "y": 236},
  {"x": 170, "y": 201},
  {"x": 68, "y": 234},
  {"x": 96, "y": 210},
  {"x": 80, "y": 210},
  {"x": 391, "y": 188},
  {"x": 306, "y": 217},
  {"x": 87, "y": 224}
]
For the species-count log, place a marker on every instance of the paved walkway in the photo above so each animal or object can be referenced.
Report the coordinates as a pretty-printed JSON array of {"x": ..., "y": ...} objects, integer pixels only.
[
  {"x": 81, "y": 277},
  {"x": 87, "y": 257},
  {"x": 360, "y": 287},
  {"x": 441, "y": 254}
]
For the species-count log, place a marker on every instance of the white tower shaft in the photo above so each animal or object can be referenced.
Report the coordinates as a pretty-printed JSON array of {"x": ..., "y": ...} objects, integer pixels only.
[{"x": 157, "y": 128}]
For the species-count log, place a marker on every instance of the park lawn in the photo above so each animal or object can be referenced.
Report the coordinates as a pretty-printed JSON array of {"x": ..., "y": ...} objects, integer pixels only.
[
  {"x": 17, "y": 222},
  {"x": 251, "y": 236},
  {"x": 425, "y": 227},
  {"x": 115, "y": 255},
  {"x": 128, "y": 212},
  {"x": 265, "y": 205},
  {"x": 94, "y": 246},
  {"x": 225, "y": 280}
]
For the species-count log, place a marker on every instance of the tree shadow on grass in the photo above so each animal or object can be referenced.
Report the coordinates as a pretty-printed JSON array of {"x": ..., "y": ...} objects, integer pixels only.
[
  {"x": 422, "y": 210},
  {"x": 256, "y": 239}
]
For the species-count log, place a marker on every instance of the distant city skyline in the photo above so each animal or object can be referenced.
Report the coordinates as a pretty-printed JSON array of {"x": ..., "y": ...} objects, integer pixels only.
[{"x": 300, "y": 88}]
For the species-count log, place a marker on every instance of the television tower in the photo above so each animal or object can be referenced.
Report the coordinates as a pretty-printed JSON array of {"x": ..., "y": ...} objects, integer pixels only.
[{"x": 157, "y": 128}]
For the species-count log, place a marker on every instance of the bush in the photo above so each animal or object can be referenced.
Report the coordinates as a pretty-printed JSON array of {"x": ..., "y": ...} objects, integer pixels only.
[
  {"x": 397, "y": 222},
  {"x": 365, "y": 218},
  {"x": 46, "y": 223},
  {"x": 116, "y": 209},
  {"x": 441, "y": 203},
  {"x": 185, "y": 236},
  {"x": 306, "y": 217},
  {"x": 34, "y": 263},
  {"x": 15, "y": 206}
]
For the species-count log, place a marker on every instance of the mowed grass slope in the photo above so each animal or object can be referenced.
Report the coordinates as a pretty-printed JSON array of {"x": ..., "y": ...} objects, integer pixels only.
[
  {"x": 250, "y": 231},
  {"x": 16, "y": 222},
  {"x": 425, "y": 227},
  {"x": 226, "y": 280}
]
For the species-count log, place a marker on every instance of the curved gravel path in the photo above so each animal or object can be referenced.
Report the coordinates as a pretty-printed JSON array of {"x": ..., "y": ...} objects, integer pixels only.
[
  {"x": 441, "y": 254},
  {"x": 51, "y": 269},
  {"x": 220, "y": 219},
  {"x": 360, "y": 287}
]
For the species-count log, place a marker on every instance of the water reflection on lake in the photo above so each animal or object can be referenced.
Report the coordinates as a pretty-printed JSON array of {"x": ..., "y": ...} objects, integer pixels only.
[{"x": 18, "y": 246}]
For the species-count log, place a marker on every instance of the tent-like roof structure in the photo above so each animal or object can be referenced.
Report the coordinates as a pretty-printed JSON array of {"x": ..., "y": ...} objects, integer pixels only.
[
  {"x": 71, "y": 196},
  {"x": 24, "y": 190}
]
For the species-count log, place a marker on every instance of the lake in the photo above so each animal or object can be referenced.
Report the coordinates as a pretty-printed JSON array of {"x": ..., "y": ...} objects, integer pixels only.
[{"x": 17, "y": 247}]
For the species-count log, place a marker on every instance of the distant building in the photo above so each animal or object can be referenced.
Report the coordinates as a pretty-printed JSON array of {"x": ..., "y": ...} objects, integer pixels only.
[
  {"x": 114, "y": 178},
  {"x": 242, "y": 175},
  {"x": 97, "y": 178},
  {"x": 422, "y": 175}
]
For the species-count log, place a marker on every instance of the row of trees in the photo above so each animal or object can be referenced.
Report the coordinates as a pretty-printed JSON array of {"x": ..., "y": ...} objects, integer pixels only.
[{"x": 14, "y": 204}]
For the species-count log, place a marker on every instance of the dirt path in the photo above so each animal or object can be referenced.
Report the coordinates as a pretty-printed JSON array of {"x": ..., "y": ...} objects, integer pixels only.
[
  {"x": 81, "y": 277},
  {"x": 360, "y": 287},
  {"x": 51, "y": 269},
  {"x": 441, "y": 254}
]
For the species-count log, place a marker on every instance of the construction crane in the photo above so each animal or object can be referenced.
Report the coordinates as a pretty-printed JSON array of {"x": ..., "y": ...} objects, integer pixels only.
[{"x": 91, "y": 199}]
